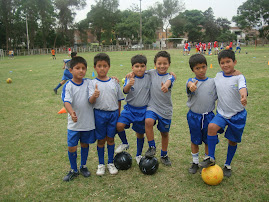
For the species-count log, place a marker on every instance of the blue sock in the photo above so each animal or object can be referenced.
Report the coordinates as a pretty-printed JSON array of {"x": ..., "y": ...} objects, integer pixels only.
[
  {"x": 59, "y": 85},
  {"x": 123, "y": 138},
  {"x": 84, "y": 155},
  {"x": 139, "y": 145},
  {"x": 212, "y": 141},
  {"x": 163, "y": 153},
  {"x": 101, "y": 154},
  {"x": 230, "y": 154},
  {"x": 73, "y": 160},
  {"x": 110, "y": 153},
  {"x": 152, "y": 143}
]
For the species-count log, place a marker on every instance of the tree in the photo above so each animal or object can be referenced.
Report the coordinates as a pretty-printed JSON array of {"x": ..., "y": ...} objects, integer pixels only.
[{"x": 210, "y": 26}]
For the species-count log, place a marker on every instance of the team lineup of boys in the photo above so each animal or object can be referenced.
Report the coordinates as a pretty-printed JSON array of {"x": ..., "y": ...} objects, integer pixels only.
[{"x": 94, "y": 106}]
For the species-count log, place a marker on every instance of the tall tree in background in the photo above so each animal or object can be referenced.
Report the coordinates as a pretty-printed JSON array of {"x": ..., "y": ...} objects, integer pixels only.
[{"x": 211, "y": 29}]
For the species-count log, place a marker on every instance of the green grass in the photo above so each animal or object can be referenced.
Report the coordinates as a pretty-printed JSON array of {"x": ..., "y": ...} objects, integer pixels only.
[{"x": 33, "y": 155}]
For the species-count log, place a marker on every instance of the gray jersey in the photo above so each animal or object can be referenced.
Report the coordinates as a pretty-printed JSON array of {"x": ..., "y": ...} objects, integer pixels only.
[
  {"x": 110, "y": 94},
  {"x": 160, "y": 102},
  {"x": 67, "y": 63},
  {"x": 77, "y": 96},
  {"x": 229, "y": 98},
  {"x": 203, "y": 99},
  {"x": 138, "y": 95}
]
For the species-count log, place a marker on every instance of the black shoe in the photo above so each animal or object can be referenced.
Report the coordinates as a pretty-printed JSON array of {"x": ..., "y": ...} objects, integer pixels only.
[
  {"x": 55, "y": 91},
  {"x": 70, "y": 176},
  {"x": 207, "y": 162},
  {"x": 194, "y": 168},
  {"x": 166, "y": 160},
  {"x": 227, "y": 172},
  {"x": 84, "y": 171},
  {"x": 151, "y": 152}
]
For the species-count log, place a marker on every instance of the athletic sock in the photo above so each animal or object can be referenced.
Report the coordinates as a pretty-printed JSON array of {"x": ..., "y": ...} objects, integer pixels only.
[
  {"x": 84, "y": 155},
  {"x": 110, "y": 153},
  {"x": 152, "y": 143},
  {"x": 123, "y": 138},
  {"x": 230, "y": 154},
  {"x": 73, "y": 160},
  {"x": 58, "y": 86},
  {"x": 163, "y": 153},
  {"x": 139, "y": 145},
  {"x": 195, "y": 157},
  {"x": 101, "y": 154},
  {"x": 212, "y": 141}
]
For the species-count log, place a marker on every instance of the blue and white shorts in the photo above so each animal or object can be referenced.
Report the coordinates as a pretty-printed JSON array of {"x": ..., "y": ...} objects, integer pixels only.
[
  {"x": 163, "y": 124},
  {"x": 73, "y": 137}
]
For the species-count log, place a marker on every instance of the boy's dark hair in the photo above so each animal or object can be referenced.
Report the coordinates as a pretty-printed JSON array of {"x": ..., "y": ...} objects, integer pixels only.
[
  {"x": 77, "y": 60},
  {"x": 162, "y": 54},
  {"x": 197, "y": 59},
  {"x": 226, "y": 54},
  {"x": 101, "y": 57},
  {"x": 73, "y": 54},
  {"x": 141, "y": 59}
]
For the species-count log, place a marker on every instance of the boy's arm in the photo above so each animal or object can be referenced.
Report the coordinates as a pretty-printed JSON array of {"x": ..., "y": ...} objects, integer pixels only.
[
  {"x": 173, "y": 74},
  {"x": 128, "y": 86},
  {"x": 166, "y": 85},
  {"x": 95, "y": 95},
  {"x": 243, "y": 92},
  {"x": 70, "y": 110}
]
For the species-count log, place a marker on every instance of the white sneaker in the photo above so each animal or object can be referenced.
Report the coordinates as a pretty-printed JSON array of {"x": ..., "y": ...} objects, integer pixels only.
[
  {"x": 121, "y": 148},
  {"x": 112, "y": 169},
  {"x": 101, "y": 169},
  {"x": 138, "y": 158}
]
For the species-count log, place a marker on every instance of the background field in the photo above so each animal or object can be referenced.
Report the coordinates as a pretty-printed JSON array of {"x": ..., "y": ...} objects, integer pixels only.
[{"x": 33, "y": 151}]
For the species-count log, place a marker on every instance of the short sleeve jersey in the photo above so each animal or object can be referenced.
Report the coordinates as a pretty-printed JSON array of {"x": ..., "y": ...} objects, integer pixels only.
[
  {"x": 229, "y": 99},
  {"x": 110, "y": 94},
  {"x": 77, "y": 96},
  {"x": 160, "y": 102},
  {"x": 138, "y": 96},
  {"x": 203, "y": 99}
]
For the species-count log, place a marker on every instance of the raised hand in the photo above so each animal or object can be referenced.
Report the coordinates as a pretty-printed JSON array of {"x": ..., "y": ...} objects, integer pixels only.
[
  {"x": 193, "y": 86},
  {"x": 96, "y": 91},
  {"x": 164, "y": 88}
]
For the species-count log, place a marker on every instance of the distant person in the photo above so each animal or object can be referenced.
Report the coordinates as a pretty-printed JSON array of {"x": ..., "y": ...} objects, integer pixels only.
[
  {"x": 81, "y": 124},
  {"x": 238, "y": 46},
  {"x": 231, "y": 45},
  {"x": 67, "y": 75},
  {"x": 53, "y": 54},
  {"x": 11, "y": 54},
  {"x": 216, "y": 47},
  {"x": 69, "y": 51},
  {"x": 209, "y": 48},
  {"x": 221, "y": 46},
  {"x": 189, "y": 48}
]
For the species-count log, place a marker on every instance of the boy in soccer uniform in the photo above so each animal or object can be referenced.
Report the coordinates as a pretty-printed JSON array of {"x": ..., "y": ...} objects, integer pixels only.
[
  {"x": 106, "y": 95},
  {"x": 160, "y": 105},
  {"x": 232, "y": 99},
  {"x": 216, "y": 47},
  {"x": 80, "y": 117},
  {"x": 53, "y": 54},
  {"x": 209, "y": 48},
  {"x": 231, "y": 45},
  {"x": 186, "y": 48},
  {"x": 67, "y": 75},
  {"x": 221, "y": 46},
  {"x": 202, "y": 95},
  {"x": 137, "y": 89},
  {"x": 238, "y": 46}
]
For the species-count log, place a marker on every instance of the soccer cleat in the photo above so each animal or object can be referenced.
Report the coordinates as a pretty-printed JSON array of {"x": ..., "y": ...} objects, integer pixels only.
[
  {"x": 166, "y": 160},
  {"x": 70, "y": 176},
  {"x": 112, "y": 169},
  {"x": 227, "y": 171},
  {"x": 84, "y": 171},
  {"x": 101, "y": 169},
  {"x": 121, "y": 148},
  {"x": 194, "y": 168},
  {"x": 208, "y": 161},
  {"x": 138, "y": 158},
  {"x": 150, "y": 152},
  {"x": 55, "y": 91}
]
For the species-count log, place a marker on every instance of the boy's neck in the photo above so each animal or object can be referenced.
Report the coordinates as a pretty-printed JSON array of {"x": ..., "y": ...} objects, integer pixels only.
[
  {"x": 77, "y": 81},
  {"x": 103, "y": 78}
]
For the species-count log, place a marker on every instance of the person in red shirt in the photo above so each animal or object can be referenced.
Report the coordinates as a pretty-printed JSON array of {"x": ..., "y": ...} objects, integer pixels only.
[
  {"x": 216, "y": 47},
  {"x": 231, "y": 45}
]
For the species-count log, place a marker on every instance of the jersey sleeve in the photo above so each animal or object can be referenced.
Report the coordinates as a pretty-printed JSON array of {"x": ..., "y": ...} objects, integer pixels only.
[
  {"x": 242, "y": 82},
  {"x": 119, "y": 92},
  {"x": 66, "y": 94}
]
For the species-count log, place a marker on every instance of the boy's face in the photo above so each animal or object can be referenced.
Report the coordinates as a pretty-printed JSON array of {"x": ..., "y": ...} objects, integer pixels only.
[
  {"x": 139, "y": 69},
  {"x": 102, "y": 68},
  {"x": 227, "y": 65},
  {"x": 162, "y": 65},
  {"x": 200, "y": 71},
  {"x": 78, "y": 71}
]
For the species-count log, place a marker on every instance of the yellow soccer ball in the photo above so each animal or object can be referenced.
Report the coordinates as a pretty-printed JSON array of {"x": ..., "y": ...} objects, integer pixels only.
[
  {"x": 212, "y": 175},
  {"x": 9, "y": 80},
  {"x": 123, "y": 80}
]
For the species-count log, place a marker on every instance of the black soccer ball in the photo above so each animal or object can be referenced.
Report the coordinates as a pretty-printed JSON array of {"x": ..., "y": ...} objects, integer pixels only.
[
  {"x": 123, "y": 161},
  {"x": 149, "y": 166}
]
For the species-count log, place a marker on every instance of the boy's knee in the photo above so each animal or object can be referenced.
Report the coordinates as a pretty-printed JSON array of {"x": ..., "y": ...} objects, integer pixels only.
[
  {"x": 120, "y": 127},
  {"x": 84, "y": 145},
  {"x": 72, "y": 149},
  {"x": 110, "y": 140},
  {"x": 149, "y": 122},
  {"x": 101, "y": 143},
  {"x": 232, "y": 143},
  {"x": 138, "y": 135},
  {"x": 213, "y": 129}
]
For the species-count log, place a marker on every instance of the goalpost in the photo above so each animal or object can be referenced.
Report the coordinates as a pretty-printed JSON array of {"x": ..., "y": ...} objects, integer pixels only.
[{"x": 1, "y": 54}]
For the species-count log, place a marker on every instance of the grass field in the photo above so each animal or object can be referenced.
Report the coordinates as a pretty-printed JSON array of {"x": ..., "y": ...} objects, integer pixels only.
[{"x": 33, "y": 150}]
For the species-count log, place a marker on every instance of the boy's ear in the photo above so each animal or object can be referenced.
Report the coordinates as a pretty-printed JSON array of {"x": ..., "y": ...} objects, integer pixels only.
[{"x": 235, "y": 62}]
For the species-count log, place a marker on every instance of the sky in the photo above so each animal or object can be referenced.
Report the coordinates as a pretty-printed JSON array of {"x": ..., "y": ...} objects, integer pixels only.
[{"x": 221, "y": 8}]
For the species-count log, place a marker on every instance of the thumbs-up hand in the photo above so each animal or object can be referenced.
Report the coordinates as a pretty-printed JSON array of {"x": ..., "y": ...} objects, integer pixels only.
[
  {"x": 132, "y": 81},
  {"x": 96, "y": 91},
  {"x": 164, "y": 88},
  {"x": 193, "y": 86},
  {"x": 244, "y": 100},
  {"x": 74, "y": 116}
]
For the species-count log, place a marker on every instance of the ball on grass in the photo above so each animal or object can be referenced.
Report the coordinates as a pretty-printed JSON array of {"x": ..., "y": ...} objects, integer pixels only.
[
  {"x": 9, "y": 80},
  {"x": 212, "y": 175},
  {"x": 123, "y": 161}
]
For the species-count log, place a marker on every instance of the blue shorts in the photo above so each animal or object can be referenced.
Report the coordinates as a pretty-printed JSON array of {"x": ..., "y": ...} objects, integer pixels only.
[
  {"x": 67, "y": 75},
  {"x": 198, "y": 125},
  {"x": 73, "y": 137},
  {"x": 236, "y": 125},
  {"x": 105, "y": 123},
  {"x": 163, "y": 124},
  {"x": 134, "y": 115}
]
